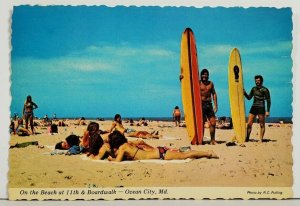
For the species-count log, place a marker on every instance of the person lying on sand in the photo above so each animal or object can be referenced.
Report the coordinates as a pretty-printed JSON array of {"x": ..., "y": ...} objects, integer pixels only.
[
  {"x": 75, "y": 144},
  {"x": 70, "y": 141},
  {"x": 124, "y": 149},
  {"x": 106, "y": 152},
  {"x": 144, "y": 134},
  {"x": 118, "y": 126}
]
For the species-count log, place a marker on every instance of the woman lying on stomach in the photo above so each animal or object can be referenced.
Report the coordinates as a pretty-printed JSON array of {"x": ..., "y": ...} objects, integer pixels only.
[{"x": 120, "y": 149}]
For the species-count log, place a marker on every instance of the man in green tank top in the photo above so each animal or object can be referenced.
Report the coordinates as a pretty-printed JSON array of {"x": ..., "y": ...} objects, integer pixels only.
[{"x": 260, "y": 94}]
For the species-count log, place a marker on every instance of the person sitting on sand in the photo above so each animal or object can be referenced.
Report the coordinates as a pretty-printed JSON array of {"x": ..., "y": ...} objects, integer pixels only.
[
  {"x": 124, "y": 149},
  {"x": 118, "y": 126},
  {"x": 92, "y": 142},
  {"x": 20, "y": 130}
]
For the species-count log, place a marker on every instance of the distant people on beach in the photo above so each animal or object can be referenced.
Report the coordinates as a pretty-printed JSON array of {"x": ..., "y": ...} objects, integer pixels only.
[
  {"x": 224, "y": 123},
  {"x": 20, "y": 130},
  {"x": 80, "y": 122},
  {"x": 142, "y": 122},
  {"x": 125, "y": 150},
  {"x": 28, "y": 108},
  {"x": 176, "y": 116},
  {"x": 61, "y": 123},
  {"x": 208, "y": 93},
  {"x": 12, "y": 128},
  {"x": 118, "y": 126},
  {"x": 260, "y": 94}
]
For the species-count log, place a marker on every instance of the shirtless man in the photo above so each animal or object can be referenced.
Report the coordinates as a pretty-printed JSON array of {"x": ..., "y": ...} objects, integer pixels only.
[
  {"x": 208, "y": 94},
  {"x": 260, "y": 94}
]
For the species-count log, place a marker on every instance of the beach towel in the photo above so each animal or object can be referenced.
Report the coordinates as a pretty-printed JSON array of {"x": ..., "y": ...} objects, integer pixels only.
[
  {"x": 24, "y": 144},
  {"x": 54, "y": 151},
  {"x": 74, "y": 150},
  {"x": 157, "y": 161}
]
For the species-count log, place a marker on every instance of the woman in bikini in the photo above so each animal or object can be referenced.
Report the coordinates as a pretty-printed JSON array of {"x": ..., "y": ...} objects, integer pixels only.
[
  {"x": 118, "y": 126},
  {"x": 121, "y": 148},
  {"x": 28, "y": 108}
]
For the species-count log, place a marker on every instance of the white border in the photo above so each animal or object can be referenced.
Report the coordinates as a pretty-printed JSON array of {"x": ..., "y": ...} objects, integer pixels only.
[{"x": 6, "y": 10}]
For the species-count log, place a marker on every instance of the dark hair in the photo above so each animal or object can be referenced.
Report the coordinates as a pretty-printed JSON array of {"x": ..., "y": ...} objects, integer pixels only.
[
  {"x": 259, "y": 77},
  {"x": 116, "y": 139},
  {"x": 95, "y": 143},
  {"x": 28, "y": 97},
  {"x": 73, "y": 140},
  {"x": 204, "y": 71},
  {"x": 92, "y": 128},
  {"x": 176, "y": 107},
  {"x": 117, "y": 116},
  {"x": 59, "y": 146}
]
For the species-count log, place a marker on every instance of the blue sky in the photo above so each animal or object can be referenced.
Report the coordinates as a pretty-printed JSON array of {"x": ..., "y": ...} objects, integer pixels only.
[{"x": 99, "y": 61}]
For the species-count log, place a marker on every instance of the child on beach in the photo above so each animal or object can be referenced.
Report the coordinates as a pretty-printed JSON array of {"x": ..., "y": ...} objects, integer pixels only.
[
  {"x": 176, "y": 116},
  {"x": 124, "y": 149}
]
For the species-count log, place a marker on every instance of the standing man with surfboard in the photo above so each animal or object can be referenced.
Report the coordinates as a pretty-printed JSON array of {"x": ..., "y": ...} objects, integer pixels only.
[
  {"x": 260, "y": 94},
  {"x": 208, "y": 93}
]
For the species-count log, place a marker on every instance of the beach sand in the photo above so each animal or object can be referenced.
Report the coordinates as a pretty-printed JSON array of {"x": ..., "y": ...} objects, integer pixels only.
[{"x": 267, "y": 164}]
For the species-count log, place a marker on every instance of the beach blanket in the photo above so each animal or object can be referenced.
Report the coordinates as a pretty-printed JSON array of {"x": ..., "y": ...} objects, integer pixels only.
[
  {"x": 55, "y": 151},
  {"x": 157, "y": 161}
]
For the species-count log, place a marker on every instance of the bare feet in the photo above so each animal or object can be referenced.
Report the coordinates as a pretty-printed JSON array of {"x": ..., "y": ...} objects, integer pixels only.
[
  {"x": 213, "y": 142},
  {"x": 211, "y": 154}
]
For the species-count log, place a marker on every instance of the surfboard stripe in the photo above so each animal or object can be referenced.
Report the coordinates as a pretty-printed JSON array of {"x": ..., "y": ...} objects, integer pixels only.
[{"x": 190, "y": 87}]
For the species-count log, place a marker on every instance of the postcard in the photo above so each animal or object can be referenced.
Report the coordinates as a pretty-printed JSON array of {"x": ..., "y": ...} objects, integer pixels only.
[{"x": 151, "y": 102}]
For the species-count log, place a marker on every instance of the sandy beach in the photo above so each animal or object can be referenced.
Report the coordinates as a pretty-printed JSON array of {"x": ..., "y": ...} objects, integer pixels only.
[{"x": 267, "y": 164}]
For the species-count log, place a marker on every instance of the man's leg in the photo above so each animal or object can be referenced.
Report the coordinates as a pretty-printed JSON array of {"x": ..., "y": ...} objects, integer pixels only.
[
  {"x": 212, "y": 129},
  {"x": 261, "y": 118},
  {"x": 249, "y": 126}
]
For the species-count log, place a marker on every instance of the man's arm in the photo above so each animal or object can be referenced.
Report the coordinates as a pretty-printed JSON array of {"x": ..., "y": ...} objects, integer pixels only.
[
  {"x": 215, "y": 99},
  {"x": 250, "y": 95},
  {"x": 268, "y": 99}
]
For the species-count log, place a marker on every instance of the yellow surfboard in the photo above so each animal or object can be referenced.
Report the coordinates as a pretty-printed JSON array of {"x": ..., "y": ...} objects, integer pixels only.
[
  {"x": 190, "y": 87},
  {"x": 236, "y": 95}
]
